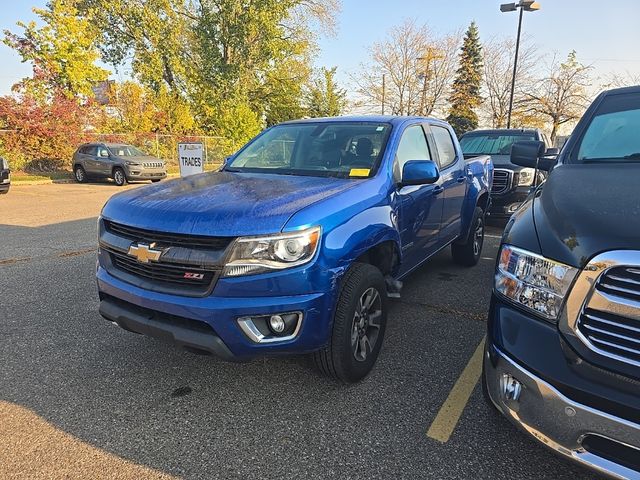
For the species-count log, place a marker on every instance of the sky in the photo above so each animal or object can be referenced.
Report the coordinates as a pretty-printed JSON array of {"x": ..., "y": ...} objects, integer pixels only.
[{"x": 602, "y": 33}]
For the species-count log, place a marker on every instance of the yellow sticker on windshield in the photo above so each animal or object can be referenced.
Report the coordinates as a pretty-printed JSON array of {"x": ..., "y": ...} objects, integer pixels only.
[{"x": 359, "y": 172}]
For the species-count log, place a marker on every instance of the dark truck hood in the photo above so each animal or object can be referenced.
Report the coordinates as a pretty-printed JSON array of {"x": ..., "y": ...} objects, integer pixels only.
[
  {"x": 583, "y": 210},
  {"x": 221, "y": 204}
]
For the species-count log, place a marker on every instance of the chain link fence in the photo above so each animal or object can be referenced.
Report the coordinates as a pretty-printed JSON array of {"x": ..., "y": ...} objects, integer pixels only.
[{"x": 23, "y": 153}]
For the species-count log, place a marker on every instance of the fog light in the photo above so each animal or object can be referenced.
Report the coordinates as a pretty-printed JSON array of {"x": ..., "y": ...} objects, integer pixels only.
[
  {"x": 510, "y": 387},
  {"x": 276, "y": 324}
]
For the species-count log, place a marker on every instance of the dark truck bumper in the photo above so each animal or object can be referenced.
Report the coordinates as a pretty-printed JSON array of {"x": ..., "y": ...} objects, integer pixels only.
[
  {"x": 578, "y": 410},
  {"x": 503, "y": 205}
]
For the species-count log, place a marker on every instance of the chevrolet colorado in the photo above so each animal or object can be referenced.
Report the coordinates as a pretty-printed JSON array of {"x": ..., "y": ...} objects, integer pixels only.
[{"x": 294, "y": 246}]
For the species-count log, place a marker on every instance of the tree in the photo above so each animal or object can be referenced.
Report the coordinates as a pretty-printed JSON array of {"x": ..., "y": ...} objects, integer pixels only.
[
  {"x": 63, "y": 51},
  {"x": 465, "y": 94},
  {"x": 415, "y": 67},
  {"x": 497, "y": 62},
  {"x": 325, "y": 98},
  {"x": 562, "y": 96}
]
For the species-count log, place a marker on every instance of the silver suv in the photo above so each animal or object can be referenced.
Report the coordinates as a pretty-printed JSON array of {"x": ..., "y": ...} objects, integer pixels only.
[{"x": 124, "y": 163}]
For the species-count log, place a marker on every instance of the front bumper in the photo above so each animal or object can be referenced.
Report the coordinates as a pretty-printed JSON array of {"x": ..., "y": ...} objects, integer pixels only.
[
  {"x": 140, "y": 173},
  {"x": 564, "y": 402},
  {"x": 505, "y": 204},
  {"x": 557, "y": 421},
  {"x": 211, "y": 323}
]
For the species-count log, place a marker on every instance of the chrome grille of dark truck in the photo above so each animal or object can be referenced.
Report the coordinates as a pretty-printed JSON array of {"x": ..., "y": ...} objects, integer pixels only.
[
  {"x": 501, "y": 180},
  {"x": 614, "y": 334}
]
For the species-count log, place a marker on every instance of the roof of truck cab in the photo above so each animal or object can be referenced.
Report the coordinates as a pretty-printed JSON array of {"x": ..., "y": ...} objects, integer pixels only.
[
  {"x": 502, "y": 131},
  {"x": 392, "y": 119}
]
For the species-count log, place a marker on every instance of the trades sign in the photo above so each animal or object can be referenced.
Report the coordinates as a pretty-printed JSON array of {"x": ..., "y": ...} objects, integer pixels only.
[{"x": 191, "y": 158}]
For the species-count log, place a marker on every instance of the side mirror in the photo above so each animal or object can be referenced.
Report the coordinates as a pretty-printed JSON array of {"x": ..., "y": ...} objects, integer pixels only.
[
  {"x": 531, "y": 154},
  {"x": 552, "y": 152},
  {"x": 419, "y": 172}
]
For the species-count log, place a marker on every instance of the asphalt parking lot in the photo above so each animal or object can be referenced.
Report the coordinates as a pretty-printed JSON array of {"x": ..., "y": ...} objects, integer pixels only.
[{"x": 80, "y": 398}]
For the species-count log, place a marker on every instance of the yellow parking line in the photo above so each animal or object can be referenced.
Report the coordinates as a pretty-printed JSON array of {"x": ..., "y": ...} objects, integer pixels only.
[{"x": 451, "y": 410}]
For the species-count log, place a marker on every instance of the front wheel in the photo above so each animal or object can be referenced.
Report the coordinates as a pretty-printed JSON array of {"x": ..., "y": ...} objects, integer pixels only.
[
  {"x": 468, "y": 253},
  {"x": 359, "y": 324},
  {"x": 119, "y": 177},
  {"x": 79, "y": 174}
]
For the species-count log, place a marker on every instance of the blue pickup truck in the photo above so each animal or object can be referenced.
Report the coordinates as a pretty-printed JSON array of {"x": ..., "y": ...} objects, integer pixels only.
[{"x": 295, "y": 245}]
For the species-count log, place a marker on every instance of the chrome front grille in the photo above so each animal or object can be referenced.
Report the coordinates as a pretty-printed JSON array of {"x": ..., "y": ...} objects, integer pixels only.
[
  {"x": 622, "y": 281},
  {"x": 153, "y": 165},
  {"x": 603, "y": 306},
  {"x": 501, "y": 180},
  {"x": 617, "y": 335}
]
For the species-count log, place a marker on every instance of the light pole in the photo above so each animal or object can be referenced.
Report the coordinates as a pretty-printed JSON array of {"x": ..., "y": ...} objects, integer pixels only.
[{"x": 529, "y": 6}]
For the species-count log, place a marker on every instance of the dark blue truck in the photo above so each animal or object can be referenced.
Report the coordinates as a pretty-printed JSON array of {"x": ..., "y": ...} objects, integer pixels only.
[
  {"x": 294, "y": 246},
  {"x": 563, "y": 343}
]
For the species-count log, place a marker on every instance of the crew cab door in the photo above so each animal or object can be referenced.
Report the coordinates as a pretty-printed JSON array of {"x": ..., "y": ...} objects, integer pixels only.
[
  {"x": 104, "y": 162},
  {"x": 420, "y": 210},
  {"x": 453, "y": 179}
]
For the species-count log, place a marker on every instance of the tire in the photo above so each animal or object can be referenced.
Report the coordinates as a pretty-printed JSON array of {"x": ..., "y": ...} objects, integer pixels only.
[
  {"x": 356, "y": 339},
  {"x": 79, "y": 174},
  {"x": 119, "y": 176},
  {"x": 468, "y": 253},
  {"x": 155, "y": 181}
]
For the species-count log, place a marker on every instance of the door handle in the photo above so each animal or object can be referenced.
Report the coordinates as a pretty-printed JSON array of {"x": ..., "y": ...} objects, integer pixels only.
[{"x": 438, "y": 190}]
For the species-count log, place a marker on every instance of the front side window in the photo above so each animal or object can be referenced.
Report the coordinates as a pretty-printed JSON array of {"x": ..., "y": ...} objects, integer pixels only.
[
  {"x": 444, "y": 144},
  {"x": 341, "y": 149},
  {"x": 612, "y": 135},
  {"x": 412, "y": 146}
]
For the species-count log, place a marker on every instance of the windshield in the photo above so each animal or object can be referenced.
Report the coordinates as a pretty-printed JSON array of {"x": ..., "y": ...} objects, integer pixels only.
[
  {"x": 493, "y": 144},
  {"x": 612, "y": 135},
  {"x": 126, "y": 151},
  {"x": 341, "y": 149}
]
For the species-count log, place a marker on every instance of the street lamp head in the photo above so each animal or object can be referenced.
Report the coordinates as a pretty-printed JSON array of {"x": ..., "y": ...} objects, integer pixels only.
[
  {"x": 530, "y": 5},
  {"x": 508, "y": 7}
]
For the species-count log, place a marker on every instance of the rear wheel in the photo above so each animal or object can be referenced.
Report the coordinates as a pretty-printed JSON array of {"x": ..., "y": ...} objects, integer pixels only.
[
  {"x": 155, "y": 180},
  {"x": 468, "y": 253},
  {"x": 119, "y": 177},
  {"x": 358, "y": 327},
  {"x": 79, "y": 174}
]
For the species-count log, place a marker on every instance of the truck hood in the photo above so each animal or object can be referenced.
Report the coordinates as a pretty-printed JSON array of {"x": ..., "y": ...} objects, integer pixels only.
[
  {"x": 583, "y": 210},
  {"x": 222, "y": 203}
]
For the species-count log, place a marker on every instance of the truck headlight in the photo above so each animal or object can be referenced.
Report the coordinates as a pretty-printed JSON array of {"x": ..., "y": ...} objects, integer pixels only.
[
  {"x": 526, "y": 177},
  {"x": 533, "y": 281},
  {"x": 251, "y": 255}
]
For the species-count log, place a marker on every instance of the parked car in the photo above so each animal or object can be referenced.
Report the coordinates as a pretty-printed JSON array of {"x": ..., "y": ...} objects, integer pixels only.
[
  {"x": 5, "y": 176},
  {"x": 563, "y": 352},
  {"x": 294, "y": 246},
  {"x": 123, "y": 163},
  {"x": 511, "y": 183}
]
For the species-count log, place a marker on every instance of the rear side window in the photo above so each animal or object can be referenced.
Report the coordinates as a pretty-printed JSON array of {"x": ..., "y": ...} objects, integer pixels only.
[
  {"x": 90, "y": 150},
  {"x": 444, "y": 144},
  {"x": 413, "y": 146},
  {"x": 612, "y": 135}
]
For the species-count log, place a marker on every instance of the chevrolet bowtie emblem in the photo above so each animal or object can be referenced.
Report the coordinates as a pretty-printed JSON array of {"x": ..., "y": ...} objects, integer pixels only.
[{"x": 144, "y": 253}]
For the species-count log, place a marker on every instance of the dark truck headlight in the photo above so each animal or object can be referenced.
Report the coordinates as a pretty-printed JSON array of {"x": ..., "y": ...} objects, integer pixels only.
[
  {"x": 533, "y": 281},
  {"x": 251, "y": 255}
]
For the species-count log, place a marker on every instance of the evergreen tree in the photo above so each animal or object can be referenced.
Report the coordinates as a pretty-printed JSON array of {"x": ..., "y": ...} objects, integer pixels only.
[
  {"x": 325, "y": 98},
  {"x": 465, "y": 94}
]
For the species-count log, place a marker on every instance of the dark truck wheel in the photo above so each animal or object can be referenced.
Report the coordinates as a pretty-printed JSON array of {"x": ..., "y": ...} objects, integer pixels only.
[
  {"x": 119, "y": 177},
  {"x": 79, "y": 174},
  {"x": 468, "y": 253},
  {"x": 358, "y": 326}
]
